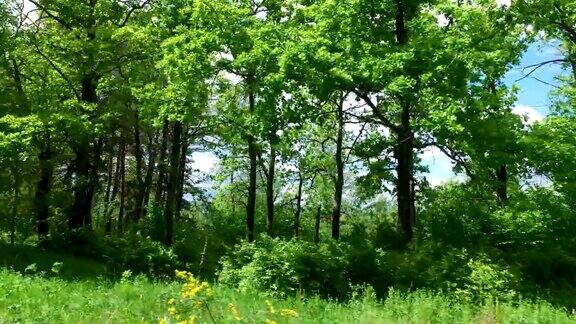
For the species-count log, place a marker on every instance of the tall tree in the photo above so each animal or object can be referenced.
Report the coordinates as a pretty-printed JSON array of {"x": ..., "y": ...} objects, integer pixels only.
[{"x": 411, "y": 71}]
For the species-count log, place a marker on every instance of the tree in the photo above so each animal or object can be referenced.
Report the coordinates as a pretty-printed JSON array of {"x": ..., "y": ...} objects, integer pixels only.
[{"x": 408, "y": 69}]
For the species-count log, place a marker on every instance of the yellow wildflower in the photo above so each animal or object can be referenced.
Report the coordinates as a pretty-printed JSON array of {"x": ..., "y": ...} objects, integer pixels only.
[
  {"x": 269, "y": 321},
  {"x": 193, "y": 288},
  {"x": 288, "y": 313},
  {"x": 234, "y": 312},
  {"x": 271, "y": 309},
  {"x": 192, "y": 319},
  {"x": 162, "y": 321},
  {"x": 184, "y": 275},
  {"x": 199, "y": 304},
  {"x": 172, "y": 310},
  {"x": 171, "y": 301}
]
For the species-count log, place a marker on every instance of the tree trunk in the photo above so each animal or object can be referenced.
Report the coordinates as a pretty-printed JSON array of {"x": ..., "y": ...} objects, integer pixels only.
[
  {"x": 502, "y": 184},
  {"x": 83, "y": 192},
  {"x": 149, "y": 174},
  {"x": 404, "y": 184},
  {"x": 108, "y": 193},
  {"x": 161, "y": 180},
  {"x": 86, "y": 174},
  {"x": 298, "y": 212},
  {"x": 339, "y": 179},
  {"x": 173, "y": 180},
  {"x": 116, "y": 185},
  {"x": 43, "y": 187},
  {"x": 122, "y": 170},
  {"x": 94, "y": 179},
  {"x": 14, "y": 208},
  {"x": 232, "y": 195},
  {"x": 141, "y": 189},
  {"x": 405, "y": 145},
  {"x": 270, "y": 190},
  {"x": 252, "y": 153},
  {"x": 181, "y": 175}
]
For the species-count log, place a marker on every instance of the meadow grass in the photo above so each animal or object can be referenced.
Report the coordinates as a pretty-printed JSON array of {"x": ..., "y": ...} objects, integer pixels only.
[{"x": 36, "y": 299}]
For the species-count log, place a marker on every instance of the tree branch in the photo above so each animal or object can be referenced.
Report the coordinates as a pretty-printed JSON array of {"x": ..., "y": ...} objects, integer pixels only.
[
  {"x": 51, "y": 15},
  {"x": 58, "y": 70},
  {"x": 535, "y": 67},
  {"x": 377, "y": 112}
]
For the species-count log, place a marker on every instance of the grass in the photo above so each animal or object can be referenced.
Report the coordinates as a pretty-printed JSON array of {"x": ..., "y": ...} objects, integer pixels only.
[
  {"x": 78, "y": 291},
  {"x": 35, "y": 299}
]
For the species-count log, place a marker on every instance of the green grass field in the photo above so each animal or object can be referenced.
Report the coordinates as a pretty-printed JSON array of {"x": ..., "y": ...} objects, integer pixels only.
[{"x": 36, "y": 299}]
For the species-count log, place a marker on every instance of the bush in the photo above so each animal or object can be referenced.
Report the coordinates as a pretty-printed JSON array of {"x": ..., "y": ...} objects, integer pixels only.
[
  {"x": 455, "y": 215},
  {"x": 140, "y": 256},
  {"x": 487, "y": 280},
  {"x": 285, "y": 267},
  {"x": 130, "y": 252}
]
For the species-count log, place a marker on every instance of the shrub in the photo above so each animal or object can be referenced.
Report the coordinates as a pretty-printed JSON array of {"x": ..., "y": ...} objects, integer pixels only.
[
  {"x": 130, "y": 252},
  {"x": 487, "y": 280},
  {"x": 455, "y": 215},
  {"x": 284, "y": 267}
]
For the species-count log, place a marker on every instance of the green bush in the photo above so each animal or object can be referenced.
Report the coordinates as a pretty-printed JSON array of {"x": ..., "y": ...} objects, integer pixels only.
[
  {"x": 129, "y": 252},
  {"x": 487, "y": 280},
  {"x": 285, "y": 267},
  {"x": 455, "y": 215}
]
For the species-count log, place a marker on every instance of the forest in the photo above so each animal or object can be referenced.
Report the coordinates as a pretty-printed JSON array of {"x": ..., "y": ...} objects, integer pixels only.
[{"x": 288, "y": 161}]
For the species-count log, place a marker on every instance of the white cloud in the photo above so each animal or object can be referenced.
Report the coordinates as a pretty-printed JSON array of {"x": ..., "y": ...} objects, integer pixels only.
[
  {"x": 503, "y": 3},
  {"x": 353, "y": 128},
  {"x": 204, "y": 161},
  {"x": 442, "y": 20},
  {"x": 530, "y": 114},
  {"x": 440, "y": 167}
]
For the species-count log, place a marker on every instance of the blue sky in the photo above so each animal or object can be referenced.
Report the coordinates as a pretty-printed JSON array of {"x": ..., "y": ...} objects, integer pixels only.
[{"x": 534, "y": 93}]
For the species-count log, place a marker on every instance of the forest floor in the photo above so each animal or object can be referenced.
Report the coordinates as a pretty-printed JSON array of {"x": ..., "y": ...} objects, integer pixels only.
[{"x": 64, "y": 289}]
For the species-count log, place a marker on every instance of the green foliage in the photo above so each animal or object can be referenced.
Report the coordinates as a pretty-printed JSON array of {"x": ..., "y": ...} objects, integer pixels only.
[
  {"x": 285, "y": 267},
  {"x": 129, "y": 252},
  {"x": 487, "y": 281},
  {"x": 137, "y": 299},
  {"x": 330, "y": 104}
]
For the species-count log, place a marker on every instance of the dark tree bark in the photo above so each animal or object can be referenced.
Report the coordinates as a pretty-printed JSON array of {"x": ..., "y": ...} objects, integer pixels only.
[
  {"x": 502, "y": 184},
  {"x": 181, "y": 175},
  {"x": 339, "y": 179},
  {"x": 149, "y": 173},
  {"x": 115, "y": 187},
  {"x": 404, "y": 149},
  {"x": 16, "y": 199},
  {"x": 232, "y": 194},
  {"x": 141, "y": 189},
  {"x": 404, "y": 185},
  {"x": 43, "y": 186},
  {"x": 81, "y": 208},
  {"x": 270, "y": 190},
  {"x": 17, "y": 77},
  {"x": 122, "y": 170},
  {"x": 108, "y": 193},
  {"x": 253, "y": 155},
  {"x": 298, "y": 213},
  {"x": 161, "y": 179},
  {"x": 173, "y": 180},
  {"x": 86, "y": 173},
  {"x": 109, "y": 177}
]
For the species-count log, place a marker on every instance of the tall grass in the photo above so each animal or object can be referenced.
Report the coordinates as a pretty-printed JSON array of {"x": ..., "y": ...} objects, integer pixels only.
[{"x": 35, "y": 299}]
